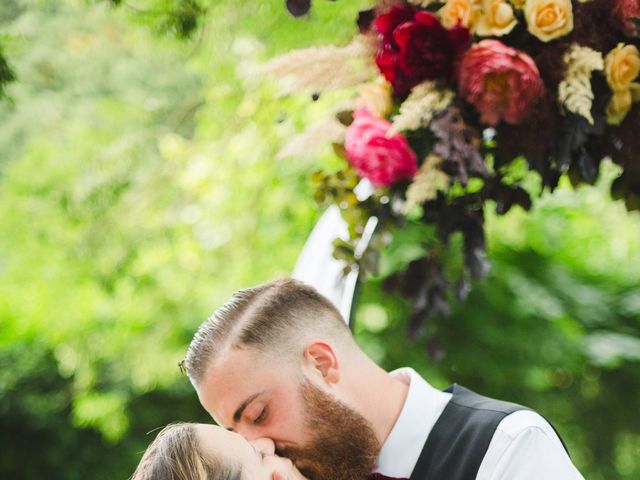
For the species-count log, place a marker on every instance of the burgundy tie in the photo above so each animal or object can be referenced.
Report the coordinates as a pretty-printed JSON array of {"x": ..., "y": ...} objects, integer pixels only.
[{"x": 379, "y": 476}]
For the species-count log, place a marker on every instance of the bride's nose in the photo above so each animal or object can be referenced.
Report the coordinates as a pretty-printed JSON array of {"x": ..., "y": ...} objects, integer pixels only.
[{"x": 264, "y": 445}]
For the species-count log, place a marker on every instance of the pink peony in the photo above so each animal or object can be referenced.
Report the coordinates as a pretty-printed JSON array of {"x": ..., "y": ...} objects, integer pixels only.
[
  {"x": 381, "y": 159},
  {"x": 501, "y": 82},
  {"x": 625, "y": 11}
]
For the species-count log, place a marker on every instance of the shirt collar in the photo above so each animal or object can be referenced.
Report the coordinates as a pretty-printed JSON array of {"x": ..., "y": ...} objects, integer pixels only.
[{"x": 422, "y": 407}]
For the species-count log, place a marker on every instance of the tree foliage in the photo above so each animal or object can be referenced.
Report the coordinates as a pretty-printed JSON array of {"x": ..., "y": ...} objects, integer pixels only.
[{"x": 139, "y": 188}]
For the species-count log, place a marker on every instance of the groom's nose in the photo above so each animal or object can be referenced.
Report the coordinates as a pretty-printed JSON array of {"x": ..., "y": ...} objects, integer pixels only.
[{"x": 264, "y": 445}]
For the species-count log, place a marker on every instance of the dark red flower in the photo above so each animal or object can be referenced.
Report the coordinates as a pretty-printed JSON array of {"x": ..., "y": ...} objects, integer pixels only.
[
  {"x": 416, "y": 47},
  {"x": 625, "y": 11}
]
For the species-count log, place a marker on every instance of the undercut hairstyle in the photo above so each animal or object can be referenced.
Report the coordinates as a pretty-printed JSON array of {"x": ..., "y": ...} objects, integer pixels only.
[
  {"x": 175, "y": 454},
  {"x": 276, "y": 317}
]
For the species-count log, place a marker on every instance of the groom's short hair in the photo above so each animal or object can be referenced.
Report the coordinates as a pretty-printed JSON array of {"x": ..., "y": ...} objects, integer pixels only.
[{"x": 276, "y": 317}]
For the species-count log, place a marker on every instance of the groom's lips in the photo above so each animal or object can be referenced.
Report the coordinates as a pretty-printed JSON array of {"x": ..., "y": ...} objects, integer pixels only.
[
  {"x": 297, "y": 458},
  {"x": 305, "y": 469},
  {"x": 310, "y": 474}
]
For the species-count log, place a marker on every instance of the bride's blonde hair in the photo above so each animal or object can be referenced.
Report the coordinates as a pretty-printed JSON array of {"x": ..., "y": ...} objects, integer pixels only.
[{"x": 175, "y": 454}]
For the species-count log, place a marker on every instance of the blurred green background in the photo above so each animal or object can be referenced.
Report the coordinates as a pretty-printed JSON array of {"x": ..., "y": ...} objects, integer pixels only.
[{"x": 139, "y": 188}]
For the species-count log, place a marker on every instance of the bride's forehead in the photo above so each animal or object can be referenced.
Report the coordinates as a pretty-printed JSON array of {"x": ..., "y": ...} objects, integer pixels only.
[{"x": 211, "y": 439}]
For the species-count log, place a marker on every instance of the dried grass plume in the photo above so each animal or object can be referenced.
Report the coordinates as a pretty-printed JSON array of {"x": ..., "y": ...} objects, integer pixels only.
[
  {"x": 574, "y": 92},
  {"x": 425, "y": 100},
  {"x": 327, "y": 131},
  {"x": 426, "y": 184},
  {"x": 321, "y": 69}
]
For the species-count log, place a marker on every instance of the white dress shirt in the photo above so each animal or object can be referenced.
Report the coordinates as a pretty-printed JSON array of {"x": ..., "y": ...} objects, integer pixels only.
[{"x": 523, "y": 447}]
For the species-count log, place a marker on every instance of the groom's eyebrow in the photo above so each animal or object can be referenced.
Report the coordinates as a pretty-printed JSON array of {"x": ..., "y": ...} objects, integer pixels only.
[{"x": 238, "y": 413}]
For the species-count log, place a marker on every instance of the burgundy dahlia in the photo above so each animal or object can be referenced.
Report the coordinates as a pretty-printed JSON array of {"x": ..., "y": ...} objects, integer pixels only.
[{"x": 416, "y": 47}]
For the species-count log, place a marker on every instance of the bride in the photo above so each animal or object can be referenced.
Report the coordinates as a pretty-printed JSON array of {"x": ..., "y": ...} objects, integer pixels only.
[{"x": 195, "y": 451}]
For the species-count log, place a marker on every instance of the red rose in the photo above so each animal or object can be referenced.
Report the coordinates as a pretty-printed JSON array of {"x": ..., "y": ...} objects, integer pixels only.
[
  {"x": 502, "y": 83},
  {"x": 381, "y": 159},
  {"x": 416, "y": 47},
  {"x": 625, "y": 11}
]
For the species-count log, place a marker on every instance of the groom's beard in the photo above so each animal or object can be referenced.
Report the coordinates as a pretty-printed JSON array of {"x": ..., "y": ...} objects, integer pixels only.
[{"x": 342, "y": 445}]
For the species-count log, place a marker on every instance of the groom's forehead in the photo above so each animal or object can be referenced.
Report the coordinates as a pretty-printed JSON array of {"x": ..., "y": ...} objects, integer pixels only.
[
  {"x": 243, "y": 372},
  {"x": 244, "y": 360}
]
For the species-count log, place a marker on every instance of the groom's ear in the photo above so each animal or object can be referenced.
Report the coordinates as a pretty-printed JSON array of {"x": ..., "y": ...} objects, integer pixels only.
[{"x": 320, "y": 357}]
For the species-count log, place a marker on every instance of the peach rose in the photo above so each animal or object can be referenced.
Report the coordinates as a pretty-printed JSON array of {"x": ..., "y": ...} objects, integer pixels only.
[
  {"x": 618, "y": 107},
  {"x": 496, "y": 19},
  {"x": 622, "y": 66},
  {"x": 376, "y": 97},
  {"x": 549, "y": 19},
  {"x": 465, "y": 12}
]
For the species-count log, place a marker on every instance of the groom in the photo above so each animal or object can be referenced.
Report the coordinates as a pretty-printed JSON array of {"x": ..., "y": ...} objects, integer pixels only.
[{"x": 278, "y": 361}]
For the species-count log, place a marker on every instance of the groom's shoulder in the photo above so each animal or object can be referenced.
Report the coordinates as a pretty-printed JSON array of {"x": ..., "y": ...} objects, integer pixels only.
[
  {"x": 464, "y": 397},
  {"x": 523, "y": 421},
  {"x": 516, "y": 419}
]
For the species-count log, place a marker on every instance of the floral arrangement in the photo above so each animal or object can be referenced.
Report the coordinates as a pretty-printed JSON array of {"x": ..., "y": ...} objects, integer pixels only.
[{"x": 452, "y": 99}]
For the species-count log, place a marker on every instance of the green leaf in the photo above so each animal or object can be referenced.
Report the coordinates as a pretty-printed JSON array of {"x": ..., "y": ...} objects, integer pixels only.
[{"x": 409, "y": 242}]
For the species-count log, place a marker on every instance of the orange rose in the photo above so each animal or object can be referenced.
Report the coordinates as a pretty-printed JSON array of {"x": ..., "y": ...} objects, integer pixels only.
[
  {"x": 549, "y": 19},
  {"x": 622, "y": 66},
  {"x": 465, "y": 12},
  {"x": 376, "y": 96},
  {"x": 497, "y": 18}
]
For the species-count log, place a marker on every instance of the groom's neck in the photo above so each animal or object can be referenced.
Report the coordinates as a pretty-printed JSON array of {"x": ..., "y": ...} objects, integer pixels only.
[{"x": 377, "y": 396}]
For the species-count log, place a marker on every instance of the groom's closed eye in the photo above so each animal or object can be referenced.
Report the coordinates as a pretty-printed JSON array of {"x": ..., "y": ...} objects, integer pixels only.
[
  {"x": 255, "y": 413},
  {"x": 243, "y": 406}
]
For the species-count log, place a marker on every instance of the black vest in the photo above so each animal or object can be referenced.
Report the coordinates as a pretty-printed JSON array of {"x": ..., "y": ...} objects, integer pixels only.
[{"x": 460, "y": 438}]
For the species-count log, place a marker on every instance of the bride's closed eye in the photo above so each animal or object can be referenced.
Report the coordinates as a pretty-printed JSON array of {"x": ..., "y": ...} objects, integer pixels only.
[{"x": 262, "y": 416}]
